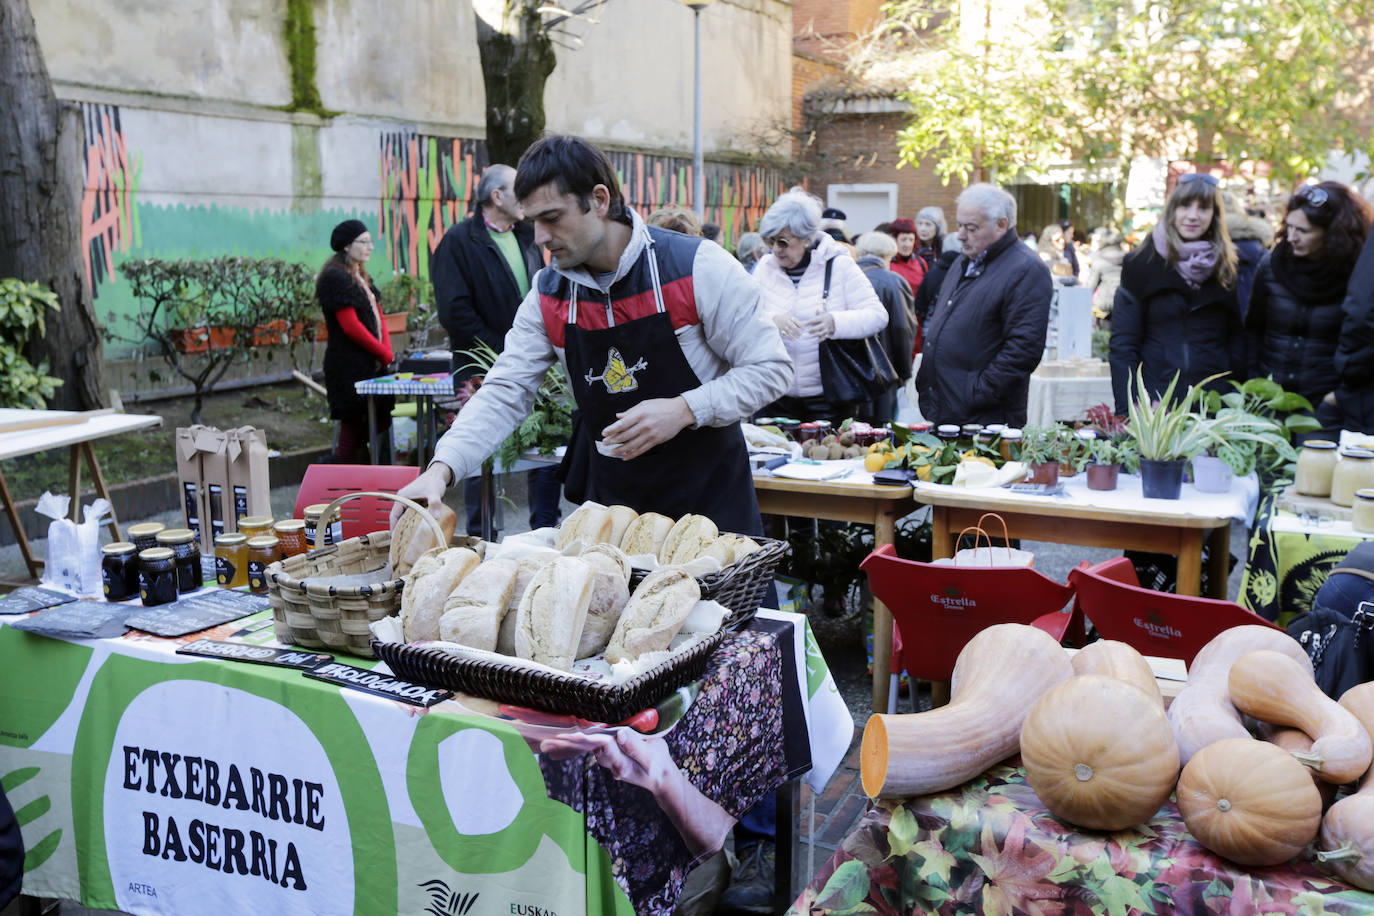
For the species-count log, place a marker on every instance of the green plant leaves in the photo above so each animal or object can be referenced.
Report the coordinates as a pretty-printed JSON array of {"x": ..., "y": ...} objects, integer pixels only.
[{"x": 22, "y": 311}]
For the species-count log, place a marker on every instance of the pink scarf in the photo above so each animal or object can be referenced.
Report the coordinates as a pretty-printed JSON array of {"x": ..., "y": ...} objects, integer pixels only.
[{"x": 1196, "y": 260}]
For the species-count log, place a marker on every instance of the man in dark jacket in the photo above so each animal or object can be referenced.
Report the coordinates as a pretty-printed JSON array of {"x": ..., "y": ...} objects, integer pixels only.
[
  {"x": 873, "y": 251},
  {"x": 481, "y": 271},
  {"x": 1354, "y": 396},
  {"x": 986, "y": 332}
]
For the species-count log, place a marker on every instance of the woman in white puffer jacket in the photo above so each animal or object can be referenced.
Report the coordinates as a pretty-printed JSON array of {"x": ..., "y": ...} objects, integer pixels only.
[{"x": 791, "y": 280}]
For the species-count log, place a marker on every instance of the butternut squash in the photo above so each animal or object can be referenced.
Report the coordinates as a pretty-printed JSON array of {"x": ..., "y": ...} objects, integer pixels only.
[
  {"x": 1202, "y": 712},
  {"x": 1119, "y": 660},
  {"x": 1089, "y": 770},
  {"x": 1295, "y": 741},
  {"x": 1273, "y": 688},
  {"x": 1347, "y": 835},
  {"x": 998, "y": 675},
  {"x": 1249, "y": 801}
]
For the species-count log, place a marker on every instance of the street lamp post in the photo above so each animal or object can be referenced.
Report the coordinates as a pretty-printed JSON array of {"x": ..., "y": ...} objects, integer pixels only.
[{"x": 698, "y": 176}]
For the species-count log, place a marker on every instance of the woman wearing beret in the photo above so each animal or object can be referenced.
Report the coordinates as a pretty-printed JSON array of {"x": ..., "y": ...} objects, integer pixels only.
[{"x": 359, "y": 345}]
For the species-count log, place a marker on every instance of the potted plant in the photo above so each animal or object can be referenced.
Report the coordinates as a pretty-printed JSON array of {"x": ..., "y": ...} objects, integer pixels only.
[
  {"x": 1075, "y": 449},
  {"x": 1104, "y": 464},
  {"x": 1252, "y": 429},
  {"x": 1167, "y": 434},
  {"x": 1041, "y": 451}
]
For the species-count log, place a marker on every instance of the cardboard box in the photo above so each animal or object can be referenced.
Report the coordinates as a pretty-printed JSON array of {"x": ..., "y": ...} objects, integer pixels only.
[
  {"x": 249, "y": 484},
  {"x": 193, "y": 444},
  {"x": 222, "y": 476}
]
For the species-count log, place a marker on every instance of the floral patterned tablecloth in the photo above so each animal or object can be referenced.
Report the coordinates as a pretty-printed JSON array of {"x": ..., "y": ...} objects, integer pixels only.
[{"x": 991, "y": 847}]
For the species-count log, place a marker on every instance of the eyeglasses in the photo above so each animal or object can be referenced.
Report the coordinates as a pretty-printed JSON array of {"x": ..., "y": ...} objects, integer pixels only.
[
  {"x": 1209, "y": 180},
  {"x": 778, "y": 242},
  {"x": 1317, "y": 197}
]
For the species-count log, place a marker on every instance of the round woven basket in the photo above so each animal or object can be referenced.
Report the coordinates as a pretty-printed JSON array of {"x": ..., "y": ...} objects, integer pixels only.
[{"x": 309, "y": 609}]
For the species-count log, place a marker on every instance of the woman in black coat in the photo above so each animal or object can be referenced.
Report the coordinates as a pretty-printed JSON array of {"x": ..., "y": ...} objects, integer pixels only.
[
  {"x": 1175, "y": 310},
  {"x": 359, "y": 345},
  {"x": 1294, "y": 320}
]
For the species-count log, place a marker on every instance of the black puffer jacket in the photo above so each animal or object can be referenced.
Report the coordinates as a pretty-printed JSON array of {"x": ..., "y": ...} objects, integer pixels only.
[
  {"x": 1355, "y": 352},
  {"x": 1292, "y": 340},
  {"x": 344, "y": 361},
  {"x": 1165, "y": 326}
]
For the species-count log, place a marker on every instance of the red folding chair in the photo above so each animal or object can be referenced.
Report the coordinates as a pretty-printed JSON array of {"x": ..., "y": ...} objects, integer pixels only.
[
  {"x": 324, "y": 483},
  {"x": 1156, "y": 623},
  {"x": 937, "y": 609}
]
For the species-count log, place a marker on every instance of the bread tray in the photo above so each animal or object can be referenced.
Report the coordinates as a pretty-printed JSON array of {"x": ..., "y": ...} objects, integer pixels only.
[
  {"x": 560, "y": 693},
  {"x": 741, "y": 587}
]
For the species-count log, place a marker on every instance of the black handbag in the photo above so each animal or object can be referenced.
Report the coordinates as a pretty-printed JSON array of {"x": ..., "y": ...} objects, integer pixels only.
[{"x": 855, "y": 369}]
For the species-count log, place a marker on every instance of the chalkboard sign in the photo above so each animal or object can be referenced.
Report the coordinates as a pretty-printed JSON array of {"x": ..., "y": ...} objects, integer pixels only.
[
  {"x": 81, "y": 619},
  {"x": 31, "y": 598},
  {"x": 199, "y": 611}
]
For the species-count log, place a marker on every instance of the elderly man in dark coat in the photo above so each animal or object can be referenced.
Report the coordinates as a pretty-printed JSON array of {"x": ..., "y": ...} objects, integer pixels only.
[{"x": 986, "y": 333}]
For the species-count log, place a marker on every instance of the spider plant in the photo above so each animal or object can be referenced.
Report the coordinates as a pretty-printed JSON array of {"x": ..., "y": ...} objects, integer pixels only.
[{"x": 1167, "y": 429}]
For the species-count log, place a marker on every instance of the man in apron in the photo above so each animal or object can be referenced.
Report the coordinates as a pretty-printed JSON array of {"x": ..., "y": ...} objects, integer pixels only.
[{"x": 662, "y": 340}]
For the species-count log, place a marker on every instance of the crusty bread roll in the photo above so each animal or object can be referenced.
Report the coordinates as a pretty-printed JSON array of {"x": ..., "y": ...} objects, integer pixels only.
[
  {"x": 743, "y": 546},
  {"x": 505, "y": 637},
  {"x": 553, "y": 611},
  {"x": 645, "y": 534},
  {"x": 589, "y": 523},
  {"x": 610, "y": 592},
  {"x": 722, "y": 549},
  {"x": 621, "y": 516},
  {"x": 493, "y": 582},
  {"x": 475, "y": 609},
  {"x": 413, "y": 536},
  {"x": 690, "y": 537},
  {"x": 430, "y": 583},
  {"x": 654, "y": 614}
]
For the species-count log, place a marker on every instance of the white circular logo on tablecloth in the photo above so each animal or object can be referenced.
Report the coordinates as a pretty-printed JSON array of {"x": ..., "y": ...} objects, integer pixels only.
[
  {"x": 201, "y": 809},
  {"x": 472, "y": 765}
]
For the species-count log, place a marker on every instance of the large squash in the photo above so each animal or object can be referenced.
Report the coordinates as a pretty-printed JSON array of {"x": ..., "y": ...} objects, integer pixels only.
[
  {"x": 1119, "y": 660},
  {"x": 1085, "y": 766},
  {"x": 998, "y": 675},
  {"x": 1347, "y": 837},
  {"x": 1249, "y": 801}
]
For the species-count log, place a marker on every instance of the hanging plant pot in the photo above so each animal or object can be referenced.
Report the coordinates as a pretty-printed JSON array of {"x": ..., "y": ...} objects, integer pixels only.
[
  {"x": 1046, "y": 472},
  {"x": 1211, "y": 475},
  {"x": 1103, "y": 476},
  {"x": 1161, "y": 479}
]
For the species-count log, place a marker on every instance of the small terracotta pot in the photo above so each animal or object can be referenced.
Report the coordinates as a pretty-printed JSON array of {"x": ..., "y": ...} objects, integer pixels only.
[
  {"x": 1046, "y": 472},
  {"x": 1103, "y": 476}
]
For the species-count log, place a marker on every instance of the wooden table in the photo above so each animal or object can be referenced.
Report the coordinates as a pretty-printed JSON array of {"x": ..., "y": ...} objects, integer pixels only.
[
  {"x": 48, "y": 429},
  {"x": 1162, "y": 530},
  {"x": 866, "y": 504}
]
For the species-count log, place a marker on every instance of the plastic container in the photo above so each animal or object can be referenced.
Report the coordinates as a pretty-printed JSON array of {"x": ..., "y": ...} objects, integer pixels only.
[
  {"x": 119, "y": 570},
  {"x": 1316, "y": 466}
]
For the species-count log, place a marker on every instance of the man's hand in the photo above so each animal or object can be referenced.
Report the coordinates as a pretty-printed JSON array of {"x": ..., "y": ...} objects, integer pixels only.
[
  {"x": 821, "y": 327},
  {"x": 787, "y": 325},
  {"x": 430, "y": 485},
  {"x": 647, "y": 424}
]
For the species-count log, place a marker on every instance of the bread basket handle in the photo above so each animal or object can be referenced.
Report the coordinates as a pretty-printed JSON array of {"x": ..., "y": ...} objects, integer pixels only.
[{"x": 419, "y": 506}]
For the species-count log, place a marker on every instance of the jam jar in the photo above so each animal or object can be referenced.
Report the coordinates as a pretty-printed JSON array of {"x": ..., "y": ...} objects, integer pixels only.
[
  {"x": 1354, "y": 471},
  {"x": 1316, "y": 465},
  {"x": 145, "y": 535},
  {"x": 252, "y": 526},
  {"x": 231, "y": 560},
  {"x": 314, "y": 538},
  {"x": 291, "y": 533},
  {"x": 1362, "y": 520},
  {"x": 157, "y": 576},
  {"x": 119, "y": 570},
  {"x": 1009, "y": 444},
  {"x": 262, "y": 552},
  {"x": 190, "y": 577}
]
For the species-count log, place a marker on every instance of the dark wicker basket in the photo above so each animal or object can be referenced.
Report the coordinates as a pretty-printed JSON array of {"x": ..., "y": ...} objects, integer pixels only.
[
  {"x": 741, "y": 587},
  {"x": 559, "y": 693}
]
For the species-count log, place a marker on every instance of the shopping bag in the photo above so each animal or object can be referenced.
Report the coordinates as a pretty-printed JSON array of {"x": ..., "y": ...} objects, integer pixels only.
[
  {"x": 73, "y": 560},
  {"x": 988, "y": 555}
]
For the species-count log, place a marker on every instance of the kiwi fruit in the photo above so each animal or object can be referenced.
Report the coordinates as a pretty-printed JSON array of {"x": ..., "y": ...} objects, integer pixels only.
[
  {"x": 854, "y": 451},
  {"x": 836, "y": 451},
  {"x": 818, "y": 452},
  {"x": 846, "y": 438},
  {"x": 829, "y": 440}
]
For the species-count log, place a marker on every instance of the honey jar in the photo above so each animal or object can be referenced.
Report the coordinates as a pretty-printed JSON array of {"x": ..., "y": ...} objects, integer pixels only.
[
  {"x": 263, "y": 551},
  {"x": 231, "y": 560},
  {"x": 290, "y": 533}
]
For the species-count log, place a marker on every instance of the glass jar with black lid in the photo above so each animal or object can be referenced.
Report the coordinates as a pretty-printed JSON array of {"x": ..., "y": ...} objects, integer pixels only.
[
  {"x": 182, "y": 541},
  {"x": 119, "y": 570},
  {"x": 157, "y": 576}
]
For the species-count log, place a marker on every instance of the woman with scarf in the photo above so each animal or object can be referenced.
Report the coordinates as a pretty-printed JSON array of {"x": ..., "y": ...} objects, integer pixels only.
[
  {"x": 1176, "y": 309},
  {"x": 1294, "y": 320}
]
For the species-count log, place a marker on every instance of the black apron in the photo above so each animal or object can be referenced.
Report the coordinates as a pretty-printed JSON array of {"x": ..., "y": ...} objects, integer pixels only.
[{"x": 703, "y": 470}]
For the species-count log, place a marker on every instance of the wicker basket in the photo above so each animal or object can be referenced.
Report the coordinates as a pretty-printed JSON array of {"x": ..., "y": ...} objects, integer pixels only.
[
  {"x": 308, "y": 611},
  {"x": 741, "y": 586}
]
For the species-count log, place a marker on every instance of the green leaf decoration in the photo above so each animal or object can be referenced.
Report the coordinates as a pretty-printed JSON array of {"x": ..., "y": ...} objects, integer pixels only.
[
  {"x": 901, "y": 831},
  {"x": 41, "y": 851},
  {"x": 847, "y": 887}
]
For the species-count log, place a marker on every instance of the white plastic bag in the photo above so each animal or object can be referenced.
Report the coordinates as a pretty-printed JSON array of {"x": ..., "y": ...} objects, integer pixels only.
[{"x": 73, "y": 561}]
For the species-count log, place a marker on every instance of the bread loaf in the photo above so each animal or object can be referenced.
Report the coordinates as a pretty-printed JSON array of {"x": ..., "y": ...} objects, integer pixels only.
[
  {"x": 430, "y": 583},
  {"x": 475, "y": 609},
  {"x": 621, "y": 517},
  {"x": 645, "y": 534},
  {"x": 722, "y": 549},
  {"x": 413, "y": 537},
  {"x": 654, "y": 614},
  {"x": 688, "y": 539},
  {"x": 553, "y": 611},
  {"x": 589, "y": 523},
  {"x": 610, "y": 592},
  {"x": 744, "y": 546}
]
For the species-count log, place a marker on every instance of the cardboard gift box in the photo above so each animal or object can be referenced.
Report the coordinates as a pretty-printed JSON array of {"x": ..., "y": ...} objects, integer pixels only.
[{"x": 222, "y": 476}]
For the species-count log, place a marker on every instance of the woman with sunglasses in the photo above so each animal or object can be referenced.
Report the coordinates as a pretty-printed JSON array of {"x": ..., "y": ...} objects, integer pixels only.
[
  {"x": 1293, "y": 323},
  {"x": 1175, "y": 310}
]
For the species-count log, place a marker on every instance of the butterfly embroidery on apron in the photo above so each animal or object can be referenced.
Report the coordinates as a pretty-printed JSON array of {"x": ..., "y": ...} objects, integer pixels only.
[{"x": 617, "y": 377}]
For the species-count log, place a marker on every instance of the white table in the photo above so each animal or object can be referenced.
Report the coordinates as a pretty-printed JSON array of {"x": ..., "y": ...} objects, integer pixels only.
[
  {"x": 51, "y": 429},
  {"x": 1053, "y": 398}
]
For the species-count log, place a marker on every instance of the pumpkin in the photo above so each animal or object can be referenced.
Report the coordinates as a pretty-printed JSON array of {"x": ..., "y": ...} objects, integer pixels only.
[
  {"x": 1202, "y": 712},
  {"x": 1347, "y": 835},
  {"x": 1086, "y": 768},
  {"x": 1249, "y": 801},
  {"x": 1295, "y": 741},
  {"x": 1119, "y": 660},
  {"x": 1273, "y": 688},
  {"x": 998, "y": 675}
]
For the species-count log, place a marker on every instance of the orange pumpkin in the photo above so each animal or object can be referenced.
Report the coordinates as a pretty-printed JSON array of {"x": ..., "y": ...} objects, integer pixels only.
[
  {"x": 1249, "y": 801},
  {"x": 1086, "y": 768},
  {"x": 1119, "y": 660}
]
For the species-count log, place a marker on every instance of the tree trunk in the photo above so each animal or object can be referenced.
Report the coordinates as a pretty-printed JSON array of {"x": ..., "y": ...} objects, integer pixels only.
[
  {"x": 517, "y": 58},
  {"x": 41, "y": 142}
]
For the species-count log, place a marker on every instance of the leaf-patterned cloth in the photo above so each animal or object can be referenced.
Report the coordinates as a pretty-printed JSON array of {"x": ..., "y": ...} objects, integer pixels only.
[{"x": 991, "y": 847}]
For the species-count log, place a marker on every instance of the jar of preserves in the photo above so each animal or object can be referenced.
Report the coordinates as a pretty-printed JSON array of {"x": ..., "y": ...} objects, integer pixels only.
[
  {"x": 290, "y": 533},
  {"x": 145, "y": 535},
  {"x": 315, "y": 538},
  {"x": 262, "y": 552},
  {"x": 252, "y": 526},
  {"x": 1363, "y": 518},
  {"x": 1010, "y": 444},
  {"x": 1316, "y": 464},
  {"x": 947, "y": 432},
  {"x": 186, "y": 554},
  {"x": 157, "y": 576},
  {"x": 231, "y": 560},
  {"x": 1354, "y": 471},
  {"x": 119, "y": 570}
]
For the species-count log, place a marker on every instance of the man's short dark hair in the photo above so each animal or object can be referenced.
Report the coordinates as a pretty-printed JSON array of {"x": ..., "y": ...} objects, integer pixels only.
[{"x": 575, "y": 166}]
